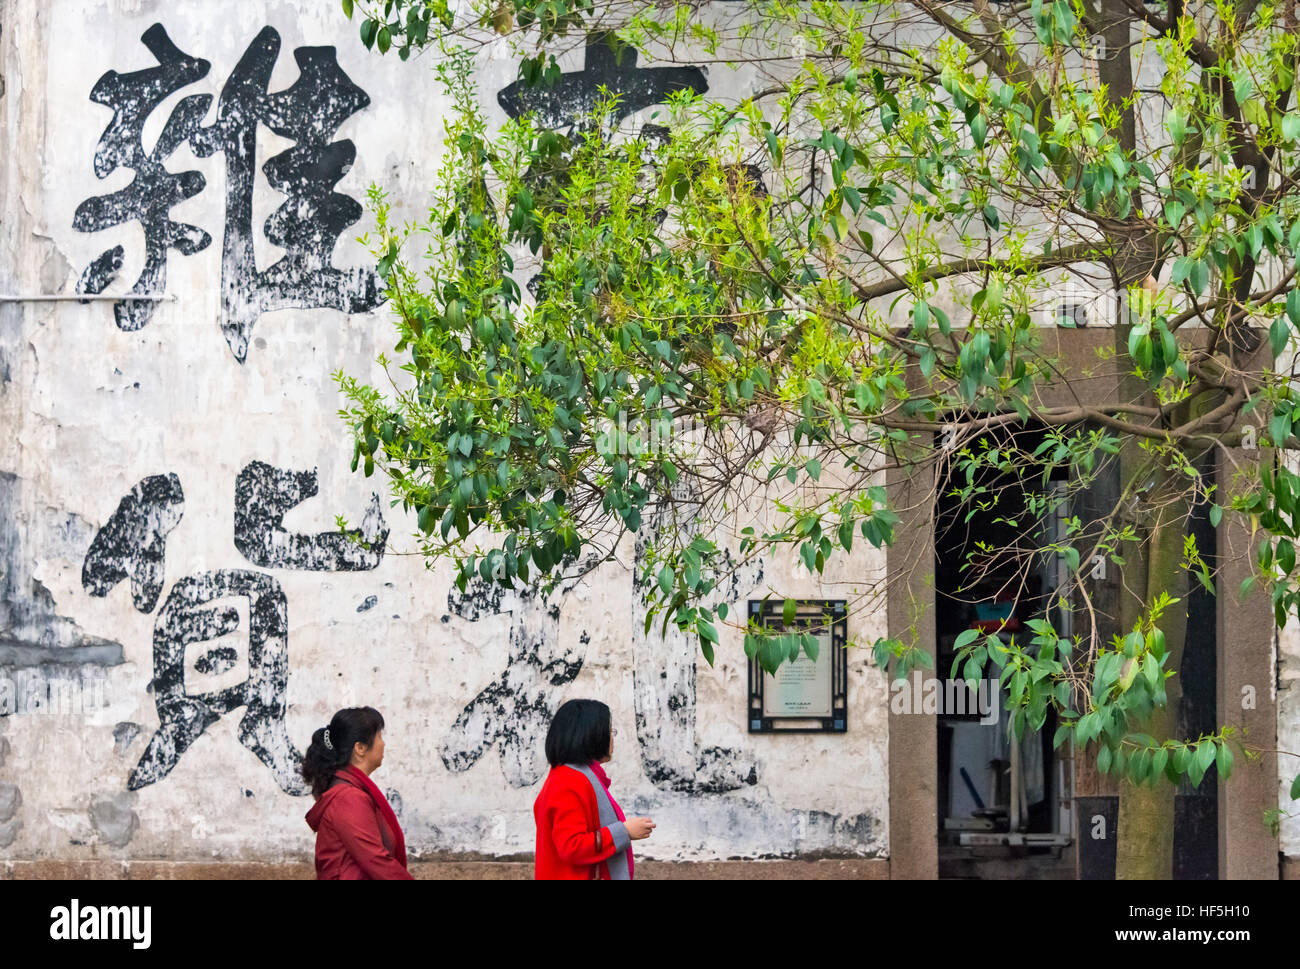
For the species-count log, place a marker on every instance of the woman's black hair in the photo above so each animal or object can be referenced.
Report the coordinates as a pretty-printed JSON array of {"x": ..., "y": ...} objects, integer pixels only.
[
  {"x": 354, "y": 725},
  {"x": 579, "y": 733}
]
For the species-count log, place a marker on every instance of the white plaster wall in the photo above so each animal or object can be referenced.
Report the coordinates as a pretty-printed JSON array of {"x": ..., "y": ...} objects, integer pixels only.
[
  {"x": 90, "y": 410},
  {"x": 1287, "y": 693},
  {"x": 1288, "y": 734}
]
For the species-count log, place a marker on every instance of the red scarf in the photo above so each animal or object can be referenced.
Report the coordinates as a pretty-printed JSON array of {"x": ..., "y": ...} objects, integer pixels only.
[
  {"x": 385, "y": 810},
  {"x": 618, "y": 811}
]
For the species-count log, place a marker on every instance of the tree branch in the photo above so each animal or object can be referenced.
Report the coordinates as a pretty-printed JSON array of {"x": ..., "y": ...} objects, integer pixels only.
[{"x": 1082, "y": 252}]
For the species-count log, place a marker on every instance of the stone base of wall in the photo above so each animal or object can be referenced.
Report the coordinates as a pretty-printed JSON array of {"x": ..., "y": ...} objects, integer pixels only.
[
  {"x": 865, "y": 868},
  {"x": 1291, "y": 868}
]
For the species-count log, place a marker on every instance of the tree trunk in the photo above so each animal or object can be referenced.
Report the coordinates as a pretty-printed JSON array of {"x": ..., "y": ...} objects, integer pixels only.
[{"x": 1145, "y": 835}]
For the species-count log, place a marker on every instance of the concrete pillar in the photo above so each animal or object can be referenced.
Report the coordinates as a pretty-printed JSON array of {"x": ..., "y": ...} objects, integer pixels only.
[
  {"x": 913, "y": 737},
  {"x": 1246, "y": 659}
]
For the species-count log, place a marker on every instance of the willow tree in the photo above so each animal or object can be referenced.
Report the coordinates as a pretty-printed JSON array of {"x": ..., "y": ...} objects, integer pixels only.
[{"x": 850, "y": 257}]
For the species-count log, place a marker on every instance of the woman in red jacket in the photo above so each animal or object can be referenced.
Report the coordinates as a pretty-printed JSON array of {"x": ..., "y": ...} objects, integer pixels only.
[
  {"x": 581, "y": 830},
  {"x": 357, "y": 834}
]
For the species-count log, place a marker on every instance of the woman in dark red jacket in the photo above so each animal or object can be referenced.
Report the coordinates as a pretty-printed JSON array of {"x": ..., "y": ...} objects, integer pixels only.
[
  {"x": 581, "y": 830},
  {"x": 357, "y": 834}
]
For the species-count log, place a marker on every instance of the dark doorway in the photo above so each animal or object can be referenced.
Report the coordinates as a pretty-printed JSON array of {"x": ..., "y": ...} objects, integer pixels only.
[
  {"x": 1024, "y": 810},
  {"x": 1005, "y": 805}
]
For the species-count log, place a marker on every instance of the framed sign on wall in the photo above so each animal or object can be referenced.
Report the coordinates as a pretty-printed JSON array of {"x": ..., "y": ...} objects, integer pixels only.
[{"x": 806, "y": 695}]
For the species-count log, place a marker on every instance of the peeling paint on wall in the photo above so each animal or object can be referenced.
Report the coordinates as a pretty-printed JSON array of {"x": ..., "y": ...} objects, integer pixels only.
[
  {"x": 32, "y": 633},
  {"x": 124, "y": 735},
  {"x": 11, "y": 799},
  {"x": 113, "y": 818}
]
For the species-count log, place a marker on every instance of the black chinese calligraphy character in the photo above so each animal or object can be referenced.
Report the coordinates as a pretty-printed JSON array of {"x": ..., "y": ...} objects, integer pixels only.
[
  {"x": 663, "y": 676},
  {"x": 133, "y": 542},
  {"x": 573, "y": 97},
  {"x": 187, "y": 705},
  {"x": 307, "y": 226},
  {"x": 514, "y": 711},
  {"x": 198, "y": 639},
  {"x": 570, "y": 101},
  {"x": 264, "y": 494},
  {"x": 154, "y": 190}
]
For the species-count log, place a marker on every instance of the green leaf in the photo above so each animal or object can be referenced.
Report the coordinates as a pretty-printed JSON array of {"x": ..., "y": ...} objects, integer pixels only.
[
  {"x": 1104, "y": 757},
  {"x": 1204, "y": 756},
  {"x": 425, "y": 519},
  {"x": 1071, "y": 555},
  {"x": 993, "y": 295},
  {"x": 1291, "y": 126},
  {"x": 1278, "y": 332},
  {"x": 1223, "y": 761},
  {"x": 1295, "y": 788},
  {"x": 1062, "y": 732},
  {"x": 1138, "y": 766},
  {"x": 1158, "y": 761},
  {"x": 770, "y": 654},
  {"x": 920, "y": 317},
  {"x": 774, "y": 148},
  {"x": 347, "y": 9},
  {"x": 888, "y": 116},
  {"x": 788, "y": 610},
  {"x": 1157, "y": 643},
  {"x": 1285, "y": 555},
  {"x": 706, "y": 648}
]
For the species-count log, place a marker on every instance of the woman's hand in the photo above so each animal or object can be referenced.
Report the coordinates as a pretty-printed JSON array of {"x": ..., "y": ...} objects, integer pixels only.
[{"x": 638, "y": 828}]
